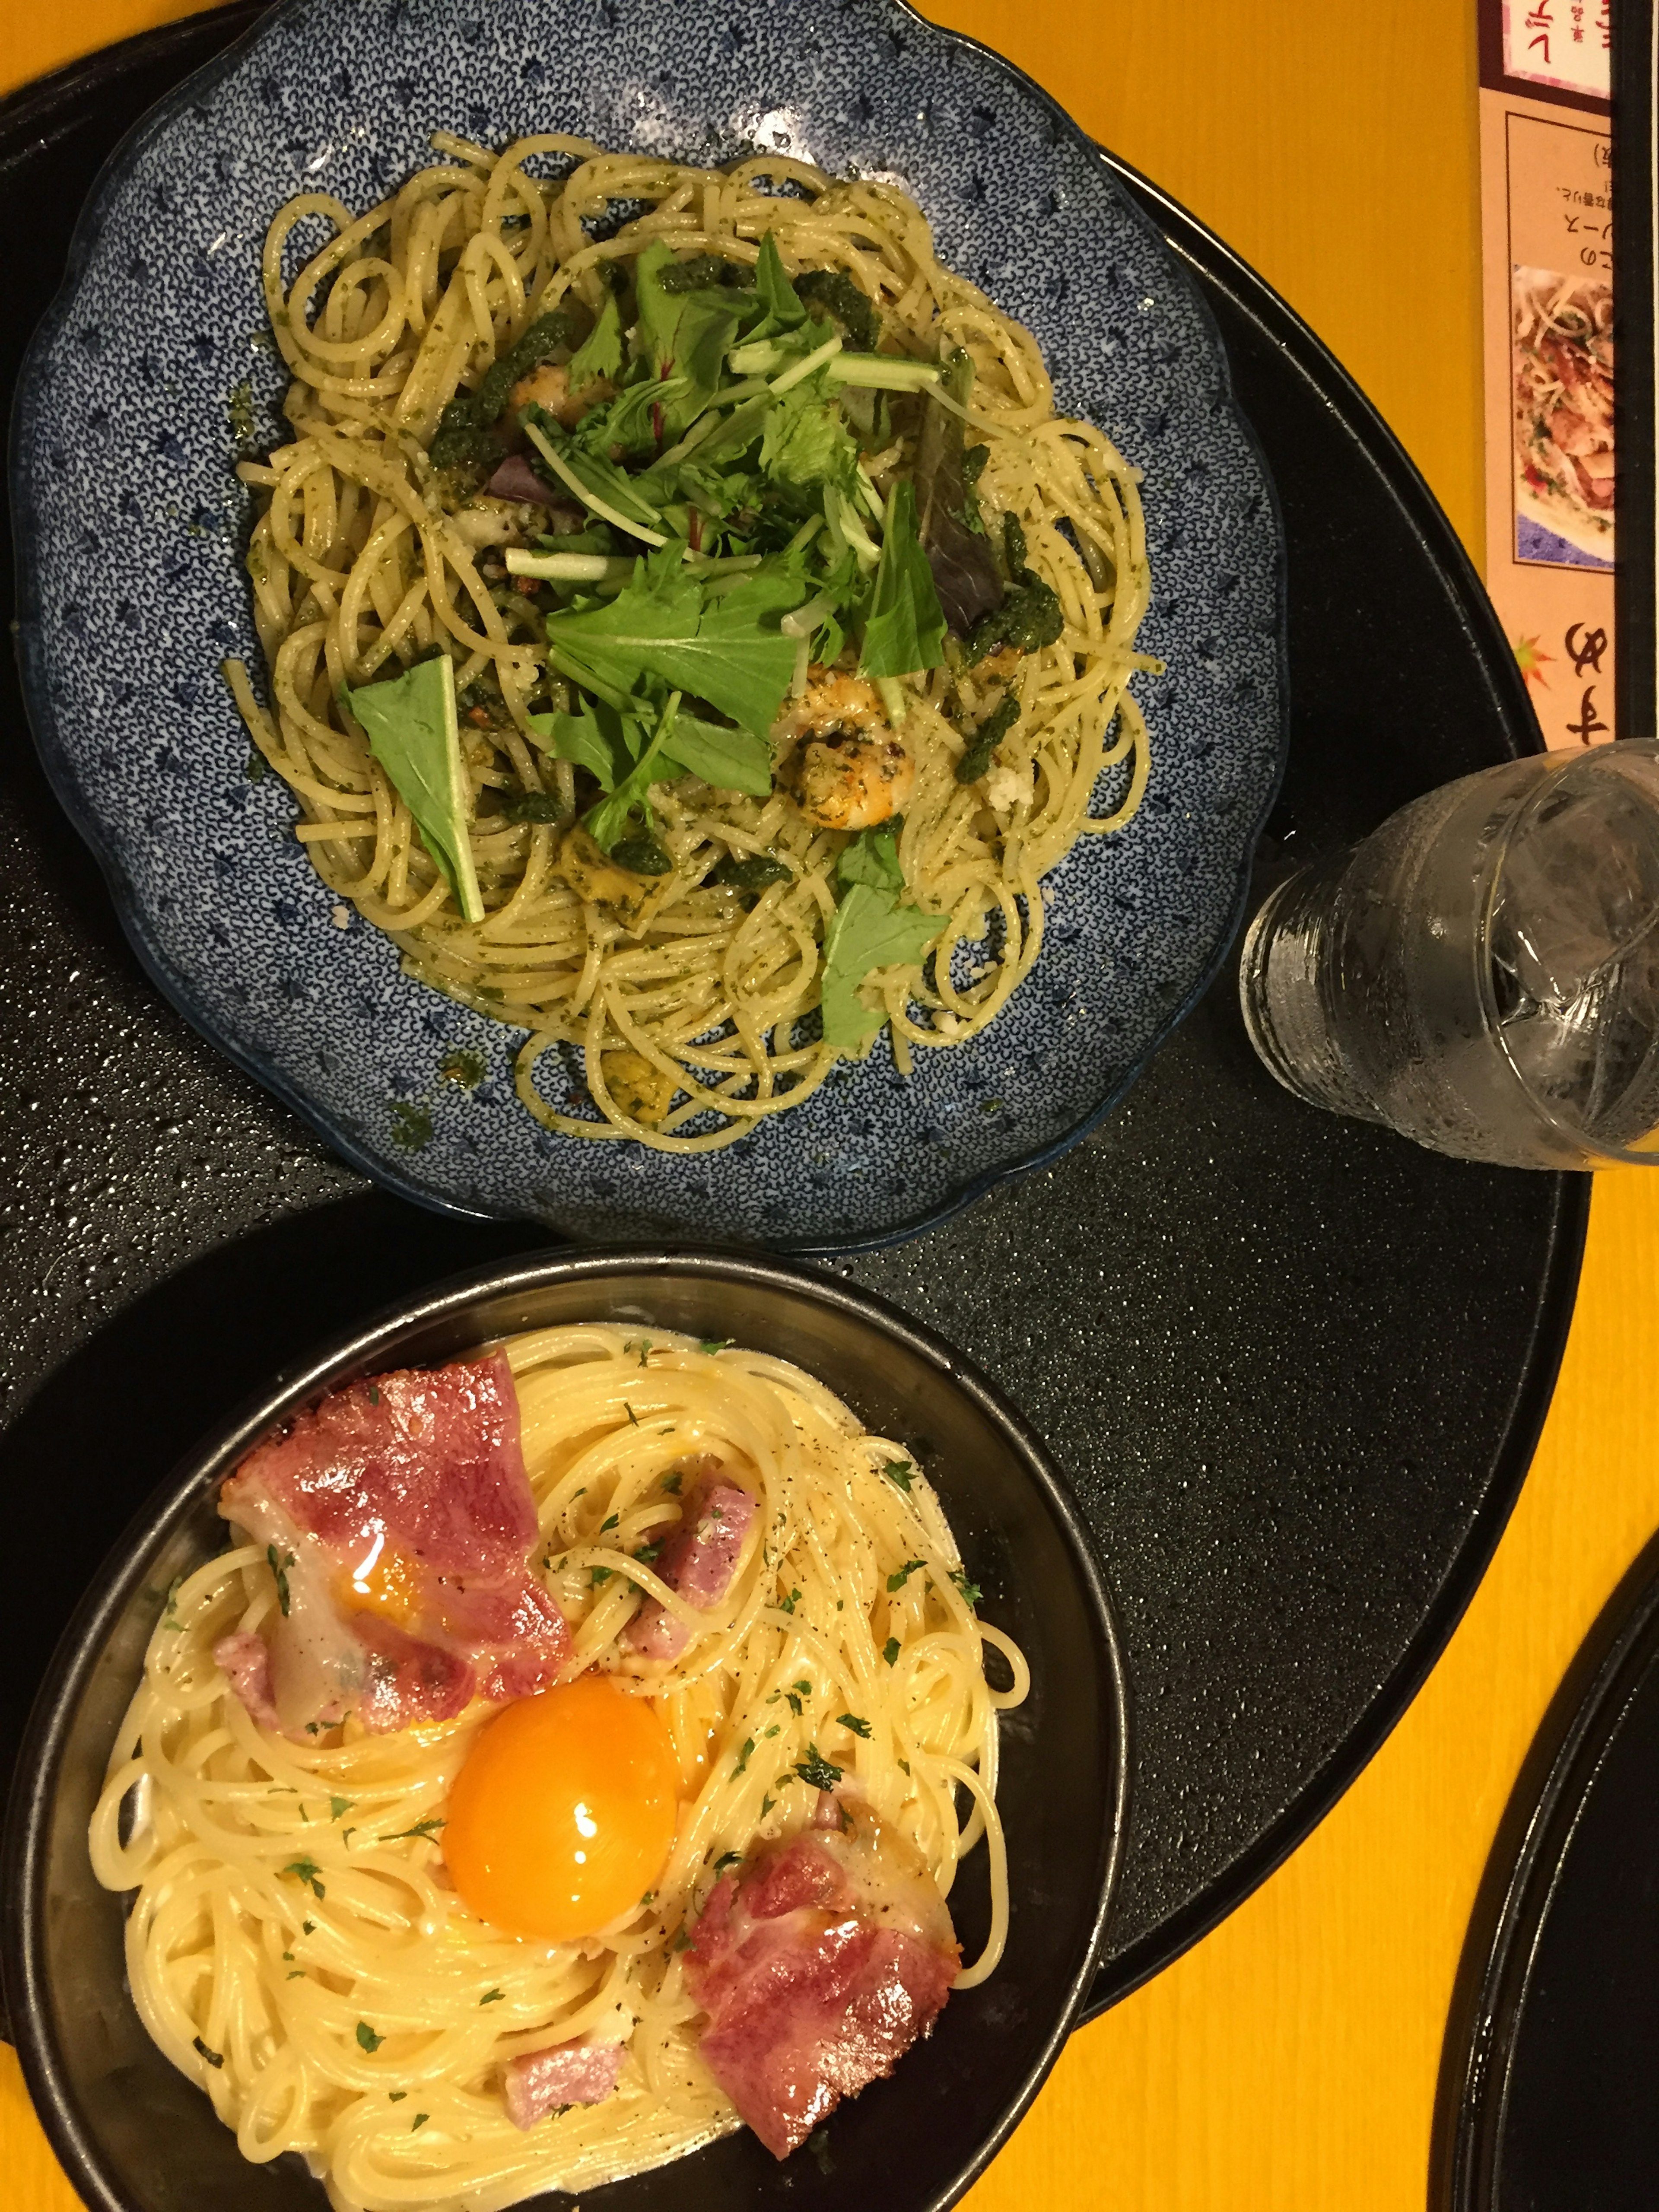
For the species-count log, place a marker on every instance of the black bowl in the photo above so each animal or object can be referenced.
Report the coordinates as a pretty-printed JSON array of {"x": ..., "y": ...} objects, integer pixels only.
[{"x": 135, "y": 2137}]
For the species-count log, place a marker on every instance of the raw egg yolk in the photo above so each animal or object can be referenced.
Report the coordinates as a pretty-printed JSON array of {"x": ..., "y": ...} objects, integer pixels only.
[
  {"x": 563, "y": 1813},
  {"x": 383, "y": 1581}
]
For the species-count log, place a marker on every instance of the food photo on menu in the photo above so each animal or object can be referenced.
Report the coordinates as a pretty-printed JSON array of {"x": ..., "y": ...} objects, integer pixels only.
[{"x": 814, "y": 996}]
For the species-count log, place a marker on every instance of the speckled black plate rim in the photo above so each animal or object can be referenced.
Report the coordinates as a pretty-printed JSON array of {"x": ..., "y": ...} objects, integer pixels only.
[
  {"x": 1523, "y": 1869},
  {"x": 361, "y": 1349},
  {"x": 1222, "y": 1897},
  {"x": 32, "y": 400}
]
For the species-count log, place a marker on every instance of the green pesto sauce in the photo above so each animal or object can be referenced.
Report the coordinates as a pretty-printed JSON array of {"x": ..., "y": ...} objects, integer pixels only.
[
  {"x": 464, "y": 1066},
  {"x": 411, "y": 1126}
]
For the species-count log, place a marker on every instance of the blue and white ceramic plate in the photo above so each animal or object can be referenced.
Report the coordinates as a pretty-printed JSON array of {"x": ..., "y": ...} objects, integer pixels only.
[{"x": 131, "y": 526}]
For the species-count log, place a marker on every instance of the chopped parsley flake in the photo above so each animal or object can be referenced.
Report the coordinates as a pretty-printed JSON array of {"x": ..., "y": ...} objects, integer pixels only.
[
  {"x": 307, "y": 1871},
  {"x": 279, "y": 1563},
  {"x": 374, "y": 1393},
  {"x": 610, "y": 1523},
  {"x": 648, "y": 1553},
  {"x": 743, "y": 1756},
  {"x": 366, "y": 2036},
  {"x": 816, "y": 1772},
  {"x": 899, "y": 1471},
  {"x": 971, "y": 1591},
  {"x": 767, "y": 1803},
  {"x": 338, "y": 1805},
  {"x": 890, "y": 1650},
  {"x": 425, "y": 1828},
  {"x": 788, "y": 1604},
  {"x": 493, "y": 1997},
  {"x": 711, "y": 1345},
  {"x": 671, "y": 1483},
  {"x": 726, "y": 1859},
  {"x": 419, "y": 2121},
  {"x": 897, "y": 1582},
  {"x": 396, "y": 2096},
  {"x": 601, "y": 1576},
  {"x": 852, "y": 1720},
  {"x": 631, "y": 1414},
  {"x": 170, "y": 1618}
]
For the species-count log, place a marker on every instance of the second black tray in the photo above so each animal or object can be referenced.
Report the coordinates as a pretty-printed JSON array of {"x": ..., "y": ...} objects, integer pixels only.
[{"x": 1294, "y": 1367}]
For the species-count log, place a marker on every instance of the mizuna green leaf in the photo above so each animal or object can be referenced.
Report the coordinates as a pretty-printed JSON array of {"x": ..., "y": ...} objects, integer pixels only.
[
  {"x": 872, "y": 857},
  {"x": 868, "y": 931},
  {"x": 412, "y": 732},
  {"x": 905, "y": 629},
  {"x": 724, "y": 647},
  {"x": 601, "y": 352}
]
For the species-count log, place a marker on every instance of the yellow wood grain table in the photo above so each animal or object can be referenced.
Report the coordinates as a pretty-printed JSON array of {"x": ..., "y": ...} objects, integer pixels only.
[{"x": 1288, "y": 2063}]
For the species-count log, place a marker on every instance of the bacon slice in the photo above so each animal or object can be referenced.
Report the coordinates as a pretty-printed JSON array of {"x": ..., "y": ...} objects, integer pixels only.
[
  {"x": 397, "y": 1516},
  {"x": 538, "y": 2082},
  {"x": 819, "y": 1964},
  {"x": 698, "y": 1560}
]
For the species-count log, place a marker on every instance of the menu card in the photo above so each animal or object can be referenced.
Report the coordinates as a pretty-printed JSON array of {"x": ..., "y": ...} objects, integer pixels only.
[{"x": 1547, "y": 254}]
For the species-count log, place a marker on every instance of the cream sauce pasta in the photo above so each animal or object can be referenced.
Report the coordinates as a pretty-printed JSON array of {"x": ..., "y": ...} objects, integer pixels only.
[{"x": 295, "y": 1945}]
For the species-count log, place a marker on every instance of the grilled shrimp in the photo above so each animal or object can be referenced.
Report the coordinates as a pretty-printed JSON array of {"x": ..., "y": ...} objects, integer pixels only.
[
  {"x": 847, "y": 771},
  {"x": 550, "y": 387}
]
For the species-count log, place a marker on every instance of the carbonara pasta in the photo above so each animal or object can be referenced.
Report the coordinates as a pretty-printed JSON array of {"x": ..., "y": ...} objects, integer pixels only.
[{"x": 296, "y": 1945}]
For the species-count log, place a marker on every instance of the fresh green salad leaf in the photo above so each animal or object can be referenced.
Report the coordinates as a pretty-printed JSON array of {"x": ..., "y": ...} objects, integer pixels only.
[
  {"x": 964, "y": 568},
  {"x": 685, "y": 336},
  {"x": 905, "y": 629},
  {"x": 592, "y": 739},
  {"x": 780, "y": 304},
  {"x": 413, "y": 733},
  {"x": 805, "y": 441},
  {"x": 724, "y": 647},
  {"x": 601, "y": 352},
  {"x": 610, "y": 491},
  {"x": 869, "y": 930},
  {"x": 872, "y": 857},
  {"x": 731, "y": 760},
  {"x": 612, "y": 822}
]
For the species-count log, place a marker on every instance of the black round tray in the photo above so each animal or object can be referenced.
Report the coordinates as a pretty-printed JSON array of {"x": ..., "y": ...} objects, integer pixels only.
[
  {"x": 1547, "y": 2101},
  {"x": 1294, "y": 1367}
]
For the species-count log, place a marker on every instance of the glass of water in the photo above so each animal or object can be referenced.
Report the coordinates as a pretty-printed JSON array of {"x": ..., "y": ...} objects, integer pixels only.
[{"x": 1482, "y": 973}]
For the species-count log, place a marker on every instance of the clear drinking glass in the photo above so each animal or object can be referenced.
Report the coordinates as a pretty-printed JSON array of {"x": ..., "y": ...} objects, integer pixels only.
[{"x": 1482, "y": 973}]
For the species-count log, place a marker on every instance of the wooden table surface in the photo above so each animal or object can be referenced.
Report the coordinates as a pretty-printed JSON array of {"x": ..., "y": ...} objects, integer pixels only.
[{"x": 1288, "y": 2063}]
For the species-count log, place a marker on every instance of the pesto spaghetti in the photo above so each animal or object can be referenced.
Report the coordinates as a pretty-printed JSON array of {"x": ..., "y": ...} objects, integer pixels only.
[{"x": 693, "y": 643}]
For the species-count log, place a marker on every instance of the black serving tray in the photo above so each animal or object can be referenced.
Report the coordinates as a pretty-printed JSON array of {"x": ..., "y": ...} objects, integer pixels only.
[
  {"x": 1546, "y": 2099},
  {"x": 1294, "y": 1367}
]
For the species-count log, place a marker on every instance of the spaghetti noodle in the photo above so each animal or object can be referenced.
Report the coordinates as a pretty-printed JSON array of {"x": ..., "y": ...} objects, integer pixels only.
[{"x": 295, "y": 1946}]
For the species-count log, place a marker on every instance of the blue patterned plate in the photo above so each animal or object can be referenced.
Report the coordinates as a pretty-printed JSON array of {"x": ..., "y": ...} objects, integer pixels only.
[{"x": 131, "y": 526}]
